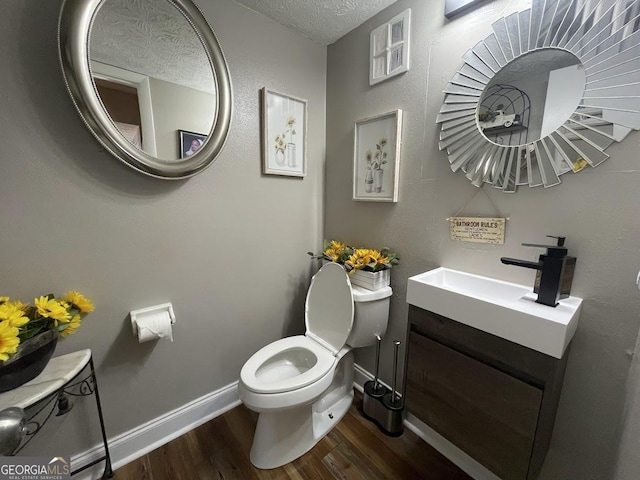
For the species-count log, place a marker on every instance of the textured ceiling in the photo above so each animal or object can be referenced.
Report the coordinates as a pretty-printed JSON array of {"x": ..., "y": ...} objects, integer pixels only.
[
  {"x": 324, "y": 21},
  {"x": 152, "y": 38},
  {"x": 534, "y": 63}
]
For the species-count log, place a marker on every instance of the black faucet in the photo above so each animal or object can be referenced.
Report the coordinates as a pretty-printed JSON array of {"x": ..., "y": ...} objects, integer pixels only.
[{"x": 551, "y": 266}]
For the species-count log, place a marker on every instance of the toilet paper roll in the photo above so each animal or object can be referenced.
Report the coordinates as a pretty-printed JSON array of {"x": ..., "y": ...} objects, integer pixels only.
[{"x": 154, "y": 325}]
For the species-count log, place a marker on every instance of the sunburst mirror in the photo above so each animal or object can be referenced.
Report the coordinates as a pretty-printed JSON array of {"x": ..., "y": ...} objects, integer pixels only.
[{"x": 545, "y": 94}]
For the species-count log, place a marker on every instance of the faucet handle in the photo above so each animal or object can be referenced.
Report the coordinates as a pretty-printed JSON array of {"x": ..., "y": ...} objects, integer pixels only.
[
  {"x": 559, "y": 247},
  {"x": 540, "y": 245},
  {"x": 552, "y": 250},
  {"x": 560, "y": 239}
]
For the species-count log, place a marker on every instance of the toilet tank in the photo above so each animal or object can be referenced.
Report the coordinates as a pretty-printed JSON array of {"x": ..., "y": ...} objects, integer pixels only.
[{"x": 370, "y": 317}]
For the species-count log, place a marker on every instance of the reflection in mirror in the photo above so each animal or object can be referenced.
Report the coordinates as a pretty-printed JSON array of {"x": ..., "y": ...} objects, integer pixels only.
[
  {"x": 552, "y": 80},
  {"x": 152, "y": 74},
  {"x": 549, "y": 91},
  {"x": 161, "y": 55}
]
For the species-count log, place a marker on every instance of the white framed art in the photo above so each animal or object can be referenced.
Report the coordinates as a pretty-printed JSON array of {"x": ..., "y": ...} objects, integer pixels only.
[
  {"x": 389, "y": 48},
  {"x": 284, "y": 134},
  {"x": 376, "y": 157}
]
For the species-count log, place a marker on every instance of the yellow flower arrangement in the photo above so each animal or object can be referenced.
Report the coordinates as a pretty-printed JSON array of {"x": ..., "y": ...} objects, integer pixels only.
[
  {"x": 19, "y": 321},
  {"x": 336, "y": 251},
  {"x": 355, "y": 259}
]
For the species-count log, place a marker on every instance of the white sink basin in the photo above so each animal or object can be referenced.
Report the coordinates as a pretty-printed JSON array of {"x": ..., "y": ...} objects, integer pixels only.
[{"x": 504, "y": 309}]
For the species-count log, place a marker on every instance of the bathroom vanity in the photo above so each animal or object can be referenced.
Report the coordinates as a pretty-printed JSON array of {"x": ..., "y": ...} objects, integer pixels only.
[{"x": 493, "y": 397}]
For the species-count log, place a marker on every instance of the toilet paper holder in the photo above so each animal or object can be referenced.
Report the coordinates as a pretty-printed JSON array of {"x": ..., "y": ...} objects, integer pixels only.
[{"x": 139, "y": 314}]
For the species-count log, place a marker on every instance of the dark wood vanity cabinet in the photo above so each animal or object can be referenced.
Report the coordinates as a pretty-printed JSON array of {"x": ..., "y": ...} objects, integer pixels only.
[{"x": 492, "y": 398}]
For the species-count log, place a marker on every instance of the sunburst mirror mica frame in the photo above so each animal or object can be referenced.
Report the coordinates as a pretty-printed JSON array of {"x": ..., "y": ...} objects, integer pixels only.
[{"x": 604, "y": 35}]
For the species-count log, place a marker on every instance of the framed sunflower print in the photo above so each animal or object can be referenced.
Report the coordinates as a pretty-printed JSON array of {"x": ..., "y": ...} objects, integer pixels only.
[
  {"x": 376, "y": 157},
  {"x": 284, "y": 134}
]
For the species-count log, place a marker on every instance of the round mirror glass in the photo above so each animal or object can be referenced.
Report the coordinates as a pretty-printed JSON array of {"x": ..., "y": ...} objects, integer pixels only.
[
  {"x": 150, "y": 81},
  {"x": 546, "y": 93},
  {"x": 153, "y": 76},
  {"x": 531, "y": 97}
]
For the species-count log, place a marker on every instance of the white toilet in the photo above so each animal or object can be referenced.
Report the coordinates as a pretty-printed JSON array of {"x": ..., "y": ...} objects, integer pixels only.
[{"x": 302, "y": 386}]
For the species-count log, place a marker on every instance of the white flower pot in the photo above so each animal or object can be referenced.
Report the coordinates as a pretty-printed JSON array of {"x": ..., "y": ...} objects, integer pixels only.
[
  {"x": 368, "y": 182},
  {"x": 377, "y": 182},
  {"x": 291, "y": 155},
  {"x": 371, "y": 280}
]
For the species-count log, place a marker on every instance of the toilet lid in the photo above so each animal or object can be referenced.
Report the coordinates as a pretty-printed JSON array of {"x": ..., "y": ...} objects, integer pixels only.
[{"x": 329, "y": 307}]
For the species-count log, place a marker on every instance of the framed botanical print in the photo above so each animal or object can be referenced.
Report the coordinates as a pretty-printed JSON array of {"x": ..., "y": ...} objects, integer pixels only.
[
  {"x": 376, "y": 157},
  {"x": 284, "y": 134}
]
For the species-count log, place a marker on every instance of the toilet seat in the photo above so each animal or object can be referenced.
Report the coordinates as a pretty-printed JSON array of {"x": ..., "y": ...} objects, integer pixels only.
[
  {"x": 329, "y": 309},
  {"x": 274, "y": 357},
  {"x": 295, "y": 362}
]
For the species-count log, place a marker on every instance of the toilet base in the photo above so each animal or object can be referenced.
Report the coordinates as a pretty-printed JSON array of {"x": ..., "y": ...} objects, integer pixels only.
[{"x": 281, "y": 436}]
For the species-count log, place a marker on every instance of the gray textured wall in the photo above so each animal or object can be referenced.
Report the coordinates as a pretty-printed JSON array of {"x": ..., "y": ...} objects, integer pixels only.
[
  {"x": 595, "y": 209},
  {"x": 227, "y": 247},
  {"x": 628, "y": 464}
]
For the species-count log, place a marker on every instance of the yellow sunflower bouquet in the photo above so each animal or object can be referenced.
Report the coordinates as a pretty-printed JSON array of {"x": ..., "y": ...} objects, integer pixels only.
[
  {"x": 354, "y": 259},
  {"x": 20, "y": 322}
]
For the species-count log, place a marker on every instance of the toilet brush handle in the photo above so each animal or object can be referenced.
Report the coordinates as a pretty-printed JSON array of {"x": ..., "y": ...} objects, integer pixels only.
[
  {"x": 375, "y": 380},
  {"x": 396, "y": 346}
]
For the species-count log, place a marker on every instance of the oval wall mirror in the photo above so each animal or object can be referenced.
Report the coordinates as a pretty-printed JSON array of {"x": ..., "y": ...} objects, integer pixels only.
[
  {"x": 150, "y": 81},
  {"x": 545, "y": 94}
]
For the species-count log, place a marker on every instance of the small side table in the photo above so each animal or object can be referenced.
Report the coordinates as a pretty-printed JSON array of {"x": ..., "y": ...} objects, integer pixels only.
[{"x": 51, "y": 390}]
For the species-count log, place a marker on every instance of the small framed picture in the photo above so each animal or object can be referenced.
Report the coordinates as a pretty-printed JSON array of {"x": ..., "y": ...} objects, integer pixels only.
[
  {"x": 190, "y": 142},
  {"x": 389, "y": 48},
  {"x": 376, "y": 157},
  {"x": 284, "y": 134}
]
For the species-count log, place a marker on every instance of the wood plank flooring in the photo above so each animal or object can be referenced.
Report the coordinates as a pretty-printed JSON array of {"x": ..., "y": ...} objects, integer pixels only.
[{"x": 355, "y": 449}]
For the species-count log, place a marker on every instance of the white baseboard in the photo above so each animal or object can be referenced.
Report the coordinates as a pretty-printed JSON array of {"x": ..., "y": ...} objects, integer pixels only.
[
  {"x": 139, "y": 441},
  {"x": 433, "y": 438},
  {"x": 361, "y": 376},
  {"x": 449, "y": 450}
]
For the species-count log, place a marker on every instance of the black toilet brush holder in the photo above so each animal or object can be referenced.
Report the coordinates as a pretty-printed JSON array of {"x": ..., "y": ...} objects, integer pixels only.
[
  {"x": 377, "y": 406},
  {"x": 382, "y": 406}
]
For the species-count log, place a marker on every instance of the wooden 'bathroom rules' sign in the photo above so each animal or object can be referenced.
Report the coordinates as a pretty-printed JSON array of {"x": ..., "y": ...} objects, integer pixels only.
[{"x": 477, "y": 229}]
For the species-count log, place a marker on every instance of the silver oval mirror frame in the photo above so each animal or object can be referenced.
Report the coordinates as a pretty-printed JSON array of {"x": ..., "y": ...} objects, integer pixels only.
[
  {"x": 604, "y": 35},
  {"x": 76, "y": 19}
]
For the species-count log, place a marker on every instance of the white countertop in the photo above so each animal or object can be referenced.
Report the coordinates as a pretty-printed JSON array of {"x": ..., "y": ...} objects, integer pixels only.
[
  {"x": 58, "y": 372},
  {"x": 506, "y": 310}
]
